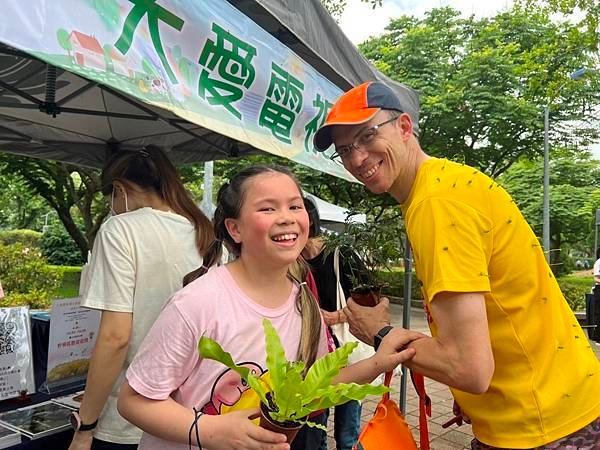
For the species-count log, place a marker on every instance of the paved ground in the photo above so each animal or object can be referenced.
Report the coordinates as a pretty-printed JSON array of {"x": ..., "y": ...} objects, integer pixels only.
[{"x": 440, "y": 439}]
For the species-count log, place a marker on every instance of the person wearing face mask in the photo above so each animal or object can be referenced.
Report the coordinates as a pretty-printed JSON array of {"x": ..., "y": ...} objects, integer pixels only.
[{"x": 155, "y": 236}]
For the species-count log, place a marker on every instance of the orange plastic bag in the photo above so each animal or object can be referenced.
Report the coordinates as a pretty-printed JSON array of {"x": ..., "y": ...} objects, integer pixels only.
[{"x": 388, "y": 430}]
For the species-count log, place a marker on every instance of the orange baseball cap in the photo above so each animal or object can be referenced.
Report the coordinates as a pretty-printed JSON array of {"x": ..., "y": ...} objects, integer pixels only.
[{"x": 356, "y": 106}]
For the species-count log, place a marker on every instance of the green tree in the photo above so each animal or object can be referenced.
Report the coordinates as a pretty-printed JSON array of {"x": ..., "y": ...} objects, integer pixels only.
[
  {"x": 73, "y": 192},
  {"x": 484, "y": 82},
  {"x": 337, "y": 7},
  {"x": 59, "y": 248},
  {"x": 574, "y": 192},
  {"x": 20, "y": 207},
  {"x": 26, "y": 277},
  {"x": 585, "y": 13},
  {"x": 62, "y": 36}
]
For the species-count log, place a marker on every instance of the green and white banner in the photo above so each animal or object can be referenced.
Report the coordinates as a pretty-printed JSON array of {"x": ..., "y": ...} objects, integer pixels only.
[{"x": 201, "y": 59}]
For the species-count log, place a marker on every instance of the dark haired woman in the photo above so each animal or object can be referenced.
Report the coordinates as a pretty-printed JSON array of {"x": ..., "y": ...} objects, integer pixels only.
[
  {"x": 347, "y": 416},
  {"x": 157, "y": 234}
]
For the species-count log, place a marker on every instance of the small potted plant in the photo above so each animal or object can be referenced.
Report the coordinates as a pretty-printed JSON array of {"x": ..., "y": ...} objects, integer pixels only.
[
  {"x": 369, "y": 250},
  {"x": 289, "y": 394}
]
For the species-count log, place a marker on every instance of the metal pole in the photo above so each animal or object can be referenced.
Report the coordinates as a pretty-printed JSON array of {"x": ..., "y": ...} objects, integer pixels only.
[
  {"x": 207, "y": 204},
  {"x": 597, "y": 224},
  {"x": 546, "y": 212},
  {"x": 406, "y": 315}
]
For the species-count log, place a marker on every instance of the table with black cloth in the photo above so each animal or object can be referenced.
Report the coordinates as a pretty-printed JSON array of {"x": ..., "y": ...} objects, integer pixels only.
[{"x": 40, "y": 334}]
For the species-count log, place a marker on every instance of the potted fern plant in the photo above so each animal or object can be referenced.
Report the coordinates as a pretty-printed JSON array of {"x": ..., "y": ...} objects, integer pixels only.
[
  {"x": 370, "y": 250},
  {"x": 289, "y": 395}
]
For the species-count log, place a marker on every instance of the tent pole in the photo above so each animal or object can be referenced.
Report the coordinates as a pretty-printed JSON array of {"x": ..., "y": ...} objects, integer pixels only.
[
  {"x": 207, "y": 205},
  {"x": 406, "y": 315}
]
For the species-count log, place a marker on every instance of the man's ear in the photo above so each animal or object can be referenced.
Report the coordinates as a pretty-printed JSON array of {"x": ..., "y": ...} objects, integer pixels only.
[
  {"x": 232, "y": 227},
  {"x": 406, "y": 125}
]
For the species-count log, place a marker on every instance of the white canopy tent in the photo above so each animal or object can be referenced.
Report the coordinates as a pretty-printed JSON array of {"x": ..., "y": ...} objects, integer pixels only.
[{"x": 333, "y": 216}]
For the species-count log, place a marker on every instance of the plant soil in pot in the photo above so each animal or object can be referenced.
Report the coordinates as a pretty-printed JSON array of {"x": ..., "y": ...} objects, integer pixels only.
[
  {"x": 366, "y": 295},
  {"x": 290, "y": 429}
]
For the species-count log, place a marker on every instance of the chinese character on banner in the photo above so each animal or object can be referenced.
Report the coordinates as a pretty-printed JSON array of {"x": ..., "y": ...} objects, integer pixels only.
[
  {"x": 156, "y": 14},
  {"x": 232, "y": 59},
  {"x": 283, "y": 103},
  {"x": 323, "y": 107}
]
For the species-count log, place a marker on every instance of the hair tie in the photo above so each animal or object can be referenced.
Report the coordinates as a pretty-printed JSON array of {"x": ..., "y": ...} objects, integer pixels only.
[
  {"x": 144, "y": 153},
  {"x": 204, "y": 267},
  {"x": 303, "y": 283}
]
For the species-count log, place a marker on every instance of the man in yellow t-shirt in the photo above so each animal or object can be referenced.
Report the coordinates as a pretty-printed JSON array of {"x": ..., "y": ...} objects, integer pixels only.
[{"x": 503, "y": 337}]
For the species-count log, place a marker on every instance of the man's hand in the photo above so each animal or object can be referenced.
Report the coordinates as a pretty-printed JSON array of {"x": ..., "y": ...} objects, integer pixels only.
[
  {"x": 459, "y": 417},
  {"x": 366, "y": 321},
  {"x": 82, "y": 440}
]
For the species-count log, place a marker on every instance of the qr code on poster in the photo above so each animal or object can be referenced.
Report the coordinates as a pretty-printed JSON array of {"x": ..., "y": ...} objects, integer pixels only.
[{"x": 7, "y": 337}]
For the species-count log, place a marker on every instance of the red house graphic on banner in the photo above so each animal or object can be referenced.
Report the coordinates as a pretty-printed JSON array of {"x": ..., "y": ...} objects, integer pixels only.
[{"x": 87, "y": 50}]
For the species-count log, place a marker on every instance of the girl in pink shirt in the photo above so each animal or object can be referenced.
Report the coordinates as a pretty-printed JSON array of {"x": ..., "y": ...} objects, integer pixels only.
[{"x": 261, "y": 219}]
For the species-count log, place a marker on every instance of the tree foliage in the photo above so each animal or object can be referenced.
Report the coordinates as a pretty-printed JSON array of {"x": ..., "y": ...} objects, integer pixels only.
[
  {"x": 20, "y": 207},
  {"x": 574, "y": 196},
  {"x": 337, "y": 7},
  {"x": 58, "y": 247},
  {"x": 26, "y": 277},
  {"x": 73, "y": 192},
  {"x": 584, "y": 13},
  {"x": 484, "y": 82}
]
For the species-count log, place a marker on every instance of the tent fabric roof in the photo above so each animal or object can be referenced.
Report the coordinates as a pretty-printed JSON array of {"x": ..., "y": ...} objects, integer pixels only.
[
  {"x": 309, "y": 30},
  {"x": 95, "y": 120}
]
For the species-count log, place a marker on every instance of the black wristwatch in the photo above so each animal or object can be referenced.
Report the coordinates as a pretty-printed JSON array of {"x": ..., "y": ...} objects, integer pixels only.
[
  {"x": 380, "y": 335},
  {"x": 77, "y": 425}
]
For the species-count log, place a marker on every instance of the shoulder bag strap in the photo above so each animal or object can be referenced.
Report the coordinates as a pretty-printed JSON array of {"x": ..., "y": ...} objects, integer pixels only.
[
  {"x": 341, "y": 298},
  {"x": 424, "y": 408},
  {"x": 424, "y": 405}
]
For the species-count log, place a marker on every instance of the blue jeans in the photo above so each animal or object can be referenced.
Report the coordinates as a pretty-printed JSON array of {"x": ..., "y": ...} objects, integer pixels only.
[
  {"x": 346, "y": 426},
  {"x": 310, "y": 438}
]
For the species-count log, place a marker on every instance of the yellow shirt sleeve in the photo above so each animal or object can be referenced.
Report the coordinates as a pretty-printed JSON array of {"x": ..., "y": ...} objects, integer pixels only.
[{"x": 452, "y": 244}]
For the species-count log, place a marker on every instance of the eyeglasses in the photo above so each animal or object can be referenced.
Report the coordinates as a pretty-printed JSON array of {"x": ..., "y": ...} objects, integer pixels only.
[{"x": 365, "y": 139}]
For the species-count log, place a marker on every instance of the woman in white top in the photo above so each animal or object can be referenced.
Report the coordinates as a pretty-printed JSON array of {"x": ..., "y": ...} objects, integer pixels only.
[{"x": 157, "y": 235}]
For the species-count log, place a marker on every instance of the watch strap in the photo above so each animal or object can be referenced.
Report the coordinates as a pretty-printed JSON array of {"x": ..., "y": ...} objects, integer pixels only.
[{"x": 380, "y": 335}]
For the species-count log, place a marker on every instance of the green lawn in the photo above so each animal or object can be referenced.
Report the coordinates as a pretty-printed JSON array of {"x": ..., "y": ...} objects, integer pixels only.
[
  {"x": 69, "y": 287},
  {"x": 578, "y": 280}
]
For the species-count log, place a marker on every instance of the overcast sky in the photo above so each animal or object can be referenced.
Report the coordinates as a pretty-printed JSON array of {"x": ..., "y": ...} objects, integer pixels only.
[{"x": 360, "y": 21}]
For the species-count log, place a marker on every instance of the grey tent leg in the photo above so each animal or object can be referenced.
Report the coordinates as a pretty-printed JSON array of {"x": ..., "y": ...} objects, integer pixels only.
[{"x": 406, "y": 315}]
